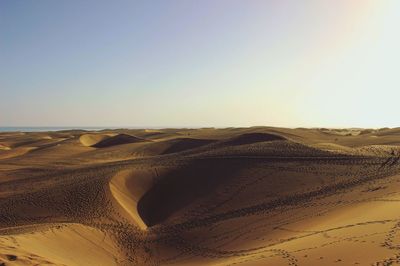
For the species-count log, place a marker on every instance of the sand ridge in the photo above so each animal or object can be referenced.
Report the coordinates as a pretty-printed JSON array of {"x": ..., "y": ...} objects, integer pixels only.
[{"x": 128, "y": 187}]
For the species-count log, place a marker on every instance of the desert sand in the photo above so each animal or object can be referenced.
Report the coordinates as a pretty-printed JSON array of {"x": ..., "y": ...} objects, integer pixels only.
[{"x": 232, "y": 196}]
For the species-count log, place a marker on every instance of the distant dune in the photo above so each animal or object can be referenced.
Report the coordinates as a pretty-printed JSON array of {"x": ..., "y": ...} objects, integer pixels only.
[
  {"x": 104, "y": 140},
  {"x": 89, "y": 140},
  {"x": 234, "y": 196},
  {"x": 250, "y": 138},
  {"x": 119, "y": 139},
  {"x": 4, "y": 148},
  {"x": 183, "y": 144}
]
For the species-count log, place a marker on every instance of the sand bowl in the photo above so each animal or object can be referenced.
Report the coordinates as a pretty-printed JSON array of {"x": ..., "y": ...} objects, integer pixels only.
[{"x": 127, "y": 187}]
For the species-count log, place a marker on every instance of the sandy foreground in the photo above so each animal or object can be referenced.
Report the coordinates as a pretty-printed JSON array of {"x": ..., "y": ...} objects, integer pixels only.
[{"x": 233, "y": 196}]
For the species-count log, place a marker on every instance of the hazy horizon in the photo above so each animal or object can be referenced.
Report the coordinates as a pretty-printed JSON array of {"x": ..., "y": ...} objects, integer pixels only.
[
  {"x": 199, "y": 64},
  {"x": 95, "y": 128}
]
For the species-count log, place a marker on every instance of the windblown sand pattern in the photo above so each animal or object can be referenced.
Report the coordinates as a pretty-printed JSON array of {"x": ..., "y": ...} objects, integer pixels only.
[{"x": 234, "y": 196}]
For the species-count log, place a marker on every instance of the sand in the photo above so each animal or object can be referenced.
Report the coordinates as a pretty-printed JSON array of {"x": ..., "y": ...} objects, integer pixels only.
[
  {"x": 233, "y": 196},
  {"x": 89, "y": 140},
  {"x": 128, "y": 187}
]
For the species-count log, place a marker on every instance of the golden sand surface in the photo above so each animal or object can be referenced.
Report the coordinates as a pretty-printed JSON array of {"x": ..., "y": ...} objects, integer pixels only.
[{"x": 232, "y": 196}]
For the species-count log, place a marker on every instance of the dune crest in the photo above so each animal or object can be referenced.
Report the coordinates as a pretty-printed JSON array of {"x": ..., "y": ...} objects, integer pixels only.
[
  {"x": 127, "y": 187},
  {"x": 183, "y": 144},
  {"x": 89, "y": 140},
  {"x": 107, "y": 140},
  {"x": 117, "y": 140},
  {"x": 250, "y": 138}
]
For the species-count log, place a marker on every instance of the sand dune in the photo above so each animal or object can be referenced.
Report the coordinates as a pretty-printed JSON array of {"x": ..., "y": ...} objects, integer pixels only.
[
  {"x": 183, "y": 144},
  {"x": 232, "y": 196},
  {"x": 128, "y": 187},
  {"x": 4, "y": 148},
  {"x": 89, "y": 140},
  {"x": 119, "y": 139},
  {"x": 250, "y": 138},
  {"x": 56, "y": 244},
  {"x": 107, "y": 140},
  {"x": 11, "y": 153}
]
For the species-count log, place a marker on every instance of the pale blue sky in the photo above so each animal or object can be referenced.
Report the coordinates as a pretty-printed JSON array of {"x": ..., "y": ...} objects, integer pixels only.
[{"x": 199, "y": 63}]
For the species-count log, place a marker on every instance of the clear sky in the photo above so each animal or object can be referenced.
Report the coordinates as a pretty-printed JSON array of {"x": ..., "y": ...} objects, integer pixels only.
[{"x": 187, "y": 63}]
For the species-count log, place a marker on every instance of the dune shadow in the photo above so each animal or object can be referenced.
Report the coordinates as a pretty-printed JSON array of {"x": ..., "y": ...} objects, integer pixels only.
[
  {"x": 180, "y": 187},
  {"x": 183, "y": 144}
]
